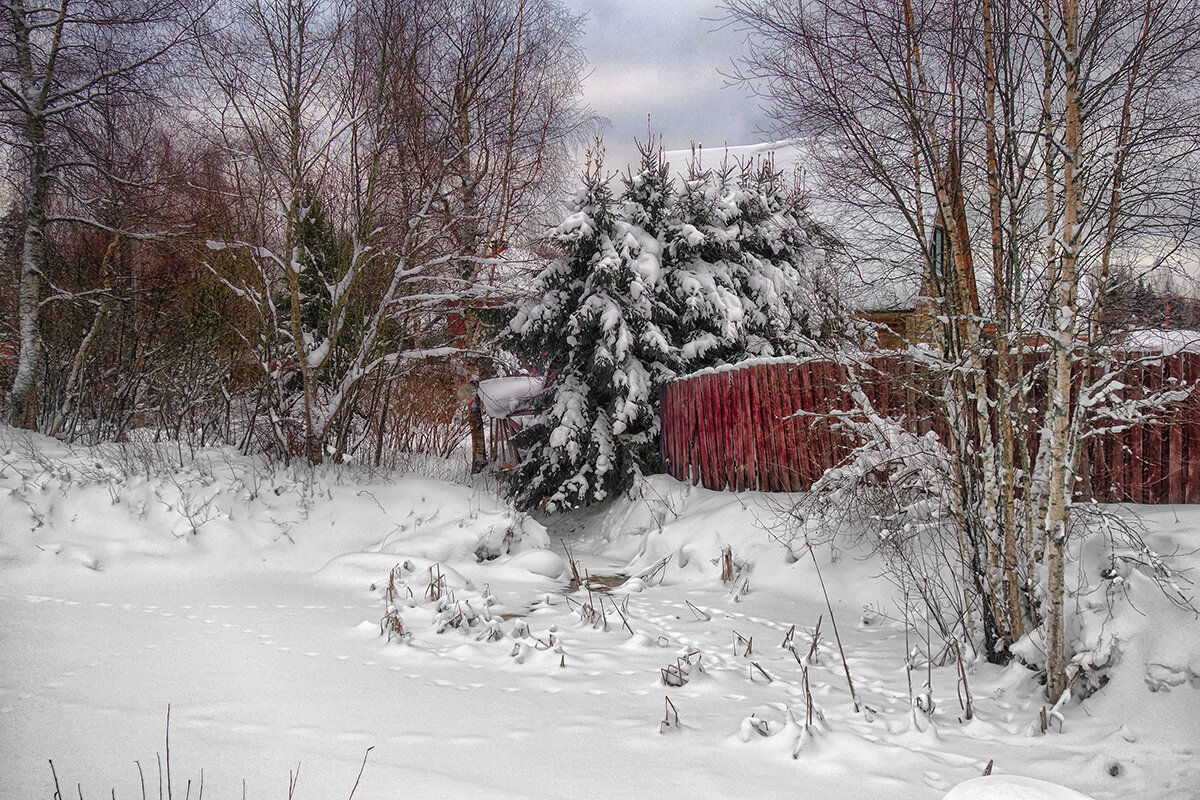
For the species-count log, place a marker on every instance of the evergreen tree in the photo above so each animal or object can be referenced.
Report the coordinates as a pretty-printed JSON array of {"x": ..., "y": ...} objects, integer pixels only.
[
  {"x": 772, "y": 270},
  {"x": 647, "y": 288},
  {"x": 707, "y": 306},
  {"x": 592, "y": 324}
]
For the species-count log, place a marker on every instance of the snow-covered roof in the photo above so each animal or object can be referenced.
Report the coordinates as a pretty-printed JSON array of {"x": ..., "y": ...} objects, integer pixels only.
[
  {"x": 785, "y": 154},
  {"x": 886, "y": 295},
  {"x": 506, "y": 397},
  {"x": 1168, "y": 342}
]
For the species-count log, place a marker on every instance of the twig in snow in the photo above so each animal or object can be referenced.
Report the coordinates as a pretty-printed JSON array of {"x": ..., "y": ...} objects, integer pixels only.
[
  {"x": 964, "y": 695},
  {"x": 670, "y": 718},
  {"x": 622, "y": 616},
  {"x": 574, "y": 565},
  {"x": 658, "y": 570},
  {"x": 168, "y": 751},
  {"x": 293, "y": 778},
  {"x": 816, "y": 639},
  {"x": 360, "y": 772},
  {"x": 699, "y": 613},
  {"x": 833, "y": 619}
]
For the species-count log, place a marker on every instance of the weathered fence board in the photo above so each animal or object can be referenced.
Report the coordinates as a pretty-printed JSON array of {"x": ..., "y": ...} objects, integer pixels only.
[{"x": 766, "y": 427}]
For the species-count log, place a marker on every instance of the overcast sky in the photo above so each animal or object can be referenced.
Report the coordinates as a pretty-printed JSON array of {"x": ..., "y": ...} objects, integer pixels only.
[{"x": 662, "y": 58}]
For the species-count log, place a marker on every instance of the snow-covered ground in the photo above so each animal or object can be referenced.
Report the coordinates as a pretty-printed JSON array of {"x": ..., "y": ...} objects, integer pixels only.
[{"x": 250, "y": 602}]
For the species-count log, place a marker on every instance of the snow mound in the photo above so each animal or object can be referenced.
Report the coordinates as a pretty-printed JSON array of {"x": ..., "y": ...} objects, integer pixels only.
[{"x": 1012, "y": 787}]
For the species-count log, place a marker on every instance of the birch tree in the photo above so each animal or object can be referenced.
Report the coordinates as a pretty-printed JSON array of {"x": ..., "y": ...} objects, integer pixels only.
[
  {"x": 56, "y": 60},
  {"x": 999, "y": 133}
]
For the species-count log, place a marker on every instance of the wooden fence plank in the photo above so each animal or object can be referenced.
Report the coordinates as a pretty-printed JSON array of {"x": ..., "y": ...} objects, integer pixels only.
[
  {"x": 737, "y": 447},
  {"x": 683, "y": 439},
  {"x": 710, "y": 455},
  {"x": 697, "y": 433},
  {"x": 817, "y": 427},
  {"x": 822, "y": 404},
  {"x": 757, "y": 414},
  {"x": 1097, "y": 460},
  {"x": 770, "y": 417},
  {"x": 787, "y": 427},
  {"x": 1152, "y": 471},
  {"x": 799, "y": 437},
  {"x": 1191, "y": 364},
  {"x": 724, "y": 435},
  {"x": 666, "y": 421},
  {"x": 804, "y": 379},
  {"x": 779, "y": 410},
  {"x": 720, "y": 399},
  {"x": 716, "y": 470},
  {"x": 1174, "y": 460},
  {"x": 758, "y": 419},
  {"x": 748, "y": 443}
]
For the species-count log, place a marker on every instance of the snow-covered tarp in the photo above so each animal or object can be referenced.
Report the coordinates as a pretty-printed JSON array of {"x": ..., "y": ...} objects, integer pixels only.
[{"x": 507, "y": 397}]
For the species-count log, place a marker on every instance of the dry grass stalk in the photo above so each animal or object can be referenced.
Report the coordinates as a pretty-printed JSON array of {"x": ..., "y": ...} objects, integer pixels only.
[
  {"x": 964, "y": 690},
  {"x": 816, "y": 640},
  {"x": 700, "y": 614},
  {"x": 808, "y": 698},
  {"x": 670, "y": 718},
  {"x": 437, "y": 583},
  {"x": 659, "y": 570},
  {"x": 574, "y": 565},
  {"x": 754, "y": 665},
  {"x": 392, "y": 625},
  {"x": 787, "y": 638},
  {"x": 836, "y": 635},
  {"x": 621, "y": 614},
  {"x": 679, "y": 673}
]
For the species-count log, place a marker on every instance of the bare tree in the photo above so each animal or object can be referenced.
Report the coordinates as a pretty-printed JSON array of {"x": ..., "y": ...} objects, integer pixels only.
[
  {"x": 1006, "y": 133},
  {"x": 59, "y": 60},
  {"x": 391, "y": 145},
  {"x": 504, "y": 85}
]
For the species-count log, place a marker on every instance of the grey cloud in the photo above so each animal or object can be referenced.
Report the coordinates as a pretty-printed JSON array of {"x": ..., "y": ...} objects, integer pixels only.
[{"x": 664, "y": 59}]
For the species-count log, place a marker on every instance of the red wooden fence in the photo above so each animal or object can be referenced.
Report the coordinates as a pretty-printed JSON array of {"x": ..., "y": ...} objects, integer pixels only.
[{"x": 737, "y": 428}]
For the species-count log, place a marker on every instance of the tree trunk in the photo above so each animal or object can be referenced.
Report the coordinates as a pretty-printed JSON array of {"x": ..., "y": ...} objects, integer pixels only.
[
  {"x": 1061, "y": 468},
  {"x": 479, "y": 458},
  {"x": 1004, "y": 458},
  {"x": 22, "y": 399}
]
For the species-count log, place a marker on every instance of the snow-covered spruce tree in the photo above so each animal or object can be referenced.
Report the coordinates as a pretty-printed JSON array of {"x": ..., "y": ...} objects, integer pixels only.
[
  {"x": 744, "y": 265},
  {"x": 775, "y": 268},
  {"x": 702, "y": 293},
  {"x": 591, "y": 327}
]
